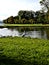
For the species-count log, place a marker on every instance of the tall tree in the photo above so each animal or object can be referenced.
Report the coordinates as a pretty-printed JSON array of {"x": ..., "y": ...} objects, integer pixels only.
[{"x": 45, "y": 3}]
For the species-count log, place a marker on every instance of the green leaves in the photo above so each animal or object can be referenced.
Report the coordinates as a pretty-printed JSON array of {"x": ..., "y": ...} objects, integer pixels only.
[{"x": 25, "y": 51}]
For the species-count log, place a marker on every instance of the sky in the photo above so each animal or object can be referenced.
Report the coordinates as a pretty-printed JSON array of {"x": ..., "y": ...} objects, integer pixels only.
[{"x": 11, "y": 7}]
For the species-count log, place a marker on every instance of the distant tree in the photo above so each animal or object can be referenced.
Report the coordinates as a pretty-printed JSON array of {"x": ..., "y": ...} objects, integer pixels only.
[
  {"x": 31, "y": 21},
  {"x": 16, "y": 21},
  {"x": 16, "y": 17},
  {"x": 29, "y": 17},
  {"x": 5, "y": 21},
  {"x": 29, "y": 14},
  {"x": 20, "y": 14},
  {"x": 40, "y": 17},
  {"x": 23, "y": 21},
  {"x": 26, "y": 14},
  {"x": 10, "y": 19}
]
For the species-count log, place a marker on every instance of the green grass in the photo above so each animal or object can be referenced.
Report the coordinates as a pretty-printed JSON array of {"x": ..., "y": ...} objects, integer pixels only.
[
  {"x": 26, "y": 25},
  {"x": 24, "y": 51}
]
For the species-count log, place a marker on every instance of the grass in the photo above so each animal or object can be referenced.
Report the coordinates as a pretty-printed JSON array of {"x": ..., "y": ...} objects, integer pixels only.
[
  {"x": 40, "y": 25},
  {"x": 24, "y": 51}
]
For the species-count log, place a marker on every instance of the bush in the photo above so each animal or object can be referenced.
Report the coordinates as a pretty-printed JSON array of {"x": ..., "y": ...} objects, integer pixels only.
[{"x": 24, "y": 51}]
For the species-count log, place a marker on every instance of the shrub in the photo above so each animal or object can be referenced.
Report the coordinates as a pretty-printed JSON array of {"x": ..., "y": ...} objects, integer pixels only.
[{"x": 24, "y": 51}]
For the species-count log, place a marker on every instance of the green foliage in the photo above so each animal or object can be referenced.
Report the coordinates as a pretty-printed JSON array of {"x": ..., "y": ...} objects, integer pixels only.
[
  {"x": 31, "y": 21},
  {"x": 24, "y": 51},
  {"x": 28, "y": 17},
  {"x": 9, "y": 20},
  {"x": 45, "y": 3},
  {"x": 26, "y": 14},
  {"x": 16, "y": 21},
  {"x": 23, "y": 21},
  {"x": 5, "y": 21}
]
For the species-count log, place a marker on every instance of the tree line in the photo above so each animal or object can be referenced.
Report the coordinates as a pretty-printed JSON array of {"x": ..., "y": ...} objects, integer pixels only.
[
  {"x": 31, "y": 17},
  {"x": 28, "y": 17}
]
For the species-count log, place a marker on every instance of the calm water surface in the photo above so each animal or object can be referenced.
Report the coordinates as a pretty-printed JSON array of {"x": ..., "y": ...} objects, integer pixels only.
[{"x": 33, "y": 32}]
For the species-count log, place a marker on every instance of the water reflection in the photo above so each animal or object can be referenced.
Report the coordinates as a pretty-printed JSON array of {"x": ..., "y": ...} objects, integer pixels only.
[
  {"x": 33, "y": 32},
  {"x": 8, "y": 32},
  {"x": 36, "y": 34}
]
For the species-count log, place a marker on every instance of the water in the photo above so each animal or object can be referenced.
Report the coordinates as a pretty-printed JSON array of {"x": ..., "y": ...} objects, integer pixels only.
[
  {"x": 25, "y": 32},
  {"x": 33, "y": 32},
  {"x": 1, "y": 23}
]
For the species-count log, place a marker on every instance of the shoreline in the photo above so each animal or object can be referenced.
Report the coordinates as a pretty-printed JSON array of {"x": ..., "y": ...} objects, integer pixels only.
[{"x": 27, "y": 25}]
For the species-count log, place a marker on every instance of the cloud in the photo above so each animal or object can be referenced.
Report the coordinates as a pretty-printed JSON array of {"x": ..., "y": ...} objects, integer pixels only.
[{"x": 11, "y": 7}]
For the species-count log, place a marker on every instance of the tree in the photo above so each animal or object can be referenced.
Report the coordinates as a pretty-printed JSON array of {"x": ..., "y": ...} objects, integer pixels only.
[
  {"x": 23, "y": 21},
  {"x": 26, "y": 14},
  {"x": 20, "y": 14},
  {"x": 31, "y": 21},
  {"x": 5, "y": 21},
  {"x": 10, "y": 20},
  {"x": 45, "y": 3},
  {"x": 16, "y": 21}
]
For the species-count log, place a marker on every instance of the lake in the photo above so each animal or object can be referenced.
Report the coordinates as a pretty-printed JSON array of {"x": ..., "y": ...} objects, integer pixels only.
[{"x": 33, "y": 32}]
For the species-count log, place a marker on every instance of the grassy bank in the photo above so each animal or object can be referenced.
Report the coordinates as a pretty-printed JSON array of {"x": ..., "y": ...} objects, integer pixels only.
[
  {"x": 34, "y": 25},
  {"x": 24, "y": 51}
]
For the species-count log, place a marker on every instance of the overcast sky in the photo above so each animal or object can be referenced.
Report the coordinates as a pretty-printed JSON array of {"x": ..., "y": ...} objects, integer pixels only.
[{"x": 11, "y": 7}]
